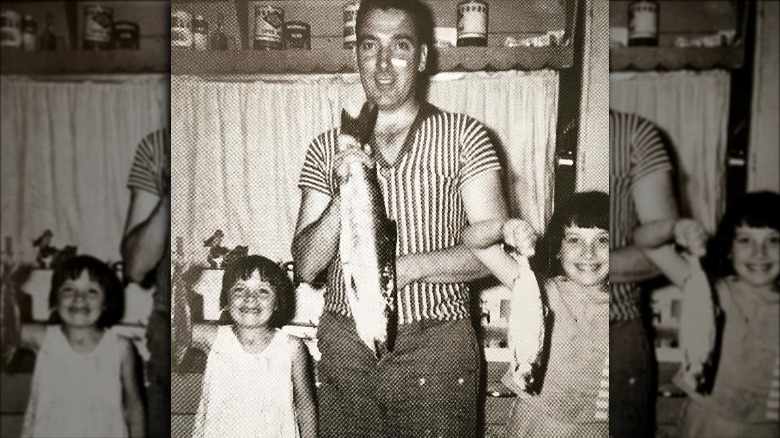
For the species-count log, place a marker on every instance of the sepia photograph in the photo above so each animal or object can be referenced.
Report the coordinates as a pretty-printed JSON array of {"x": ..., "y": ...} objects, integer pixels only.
[
  {"x": 84, "y": 321},
  {"x": 389, "y": 218},
  {"x": 694, "y": 182}
]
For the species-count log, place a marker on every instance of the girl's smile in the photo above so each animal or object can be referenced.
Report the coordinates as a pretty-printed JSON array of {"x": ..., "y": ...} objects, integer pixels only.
[
  {"x": 755, "y": 255},
  {"x": 585, "y": 255},
  {"x": 252, "y": 301},
  {"x": 81, "y": 301}
]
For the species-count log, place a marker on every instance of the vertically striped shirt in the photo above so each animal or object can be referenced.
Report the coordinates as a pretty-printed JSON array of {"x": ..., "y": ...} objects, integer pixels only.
[
  {"x": 422, "y": 195},
  {"x": 636, "y": 150},
  {"x": 146, "y": 174}
]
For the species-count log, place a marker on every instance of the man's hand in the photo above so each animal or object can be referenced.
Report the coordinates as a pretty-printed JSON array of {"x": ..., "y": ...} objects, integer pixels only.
[
  {"x": 350, "y": 152},
  {"x": 691, "y": 235},
  {"x": 520, "y": 235}
]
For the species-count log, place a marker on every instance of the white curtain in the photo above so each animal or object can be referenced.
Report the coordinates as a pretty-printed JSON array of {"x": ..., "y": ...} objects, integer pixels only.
[
  {"x": 238, "y": 144},
  {"x": 593, "y": 147},
  {"x": 692, "y": 108},
  {"x": 67, "y": 146},
  {"x": 764, "y": 148}
]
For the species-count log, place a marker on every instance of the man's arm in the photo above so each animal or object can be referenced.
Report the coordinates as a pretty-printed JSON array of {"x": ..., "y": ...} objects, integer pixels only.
[
  {"x": 146, "y": 231},
  {"x": 654, "y": 200},
  {"x": 483, "y": 199},
  {"x": 316, "y": 234}
]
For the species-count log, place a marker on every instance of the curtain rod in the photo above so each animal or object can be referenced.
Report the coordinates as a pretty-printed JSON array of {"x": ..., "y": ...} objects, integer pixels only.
[{"x": 101, "y": 78}]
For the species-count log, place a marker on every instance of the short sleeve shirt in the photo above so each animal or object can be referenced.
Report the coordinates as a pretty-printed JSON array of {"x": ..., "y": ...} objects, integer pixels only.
[
  {"x": 422, "y": 195},
  {"x": 636, "y": 151},
  {"x": 151, "y": 157}
]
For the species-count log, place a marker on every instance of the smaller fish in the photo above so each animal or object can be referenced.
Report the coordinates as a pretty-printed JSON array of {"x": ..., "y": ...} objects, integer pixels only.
[
  {"x": 698, "y": 330},
  {"x": 526, "y": 331}
]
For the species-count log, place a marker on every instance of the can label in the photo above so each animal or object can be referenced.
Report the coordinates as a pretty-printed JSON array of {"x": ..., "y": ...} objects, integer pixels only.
[
  {"x": 644, "y": 21},
  {"x": 350, "y": 19},
  {"x": 10, "y": 29},
  {"x": 181, "y": 35},
  {"x": 97, "y": 23},
  {"x": 268, "y": 23},
  {"x": 472, "y": 19},
  {"x": 297, "y": 35}
]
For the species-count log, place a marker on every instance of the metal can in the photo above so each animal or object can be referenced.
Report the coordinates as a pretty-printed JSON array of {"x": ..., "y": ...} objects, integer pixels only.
[
  {"x": 97, "y": 27},
  {"x": 643, "y": 23},
  {"x": 181, "y": 33},
  {"x": 297, "y": 35},
  {"x": 350, "y": 23},
  {"x": 472, "y": 23},
  {"x": 126, "y": 35},
  {"x": 268, "y": 27},
  {"x": 200, "y": 31},
  {"x": 10, "y": 29}
]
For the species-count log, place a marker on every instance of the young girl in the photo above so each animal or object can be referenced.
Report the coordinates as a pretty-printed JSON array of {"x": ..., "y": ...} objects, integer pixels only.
[
  {"x": 88, "y": 379},
  {"x": 572, "y": 261},
  {"x": 257, "y": 381},
  {"x": 744, "y": 258}
]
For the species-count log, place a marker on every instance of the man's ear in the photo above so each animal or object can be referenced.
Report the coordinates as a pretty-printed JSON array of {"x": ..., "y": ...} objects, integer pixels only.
[{"x": 423, "y": 58}]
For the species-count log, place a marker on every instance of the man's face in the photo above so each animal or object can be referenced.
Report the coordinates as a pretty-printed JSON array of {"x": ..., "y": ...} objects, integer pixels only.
[{"x": 389, "y": 58}]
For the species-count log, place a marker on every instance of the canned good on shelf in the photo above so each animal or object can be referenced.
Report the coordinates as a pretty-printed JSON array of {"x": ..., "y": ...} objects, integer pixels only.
[
  {"x": 97, "y": 27},
  {"x": 10, "y": 29},
  {"x": 297, "y": 35},
  {"x": 350, "y": 18},
  {"x": 181, "y": 32},
  {"x": 268, "y": 27}
]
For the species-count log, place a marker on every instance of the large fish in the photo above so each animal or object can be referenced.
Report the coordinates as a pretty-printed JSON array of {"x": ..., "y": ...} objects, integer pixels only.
[
  {"x": 698, "y": 329},
  {"x": 525, "y": 332},
  {"x": 367, "y": 239}
]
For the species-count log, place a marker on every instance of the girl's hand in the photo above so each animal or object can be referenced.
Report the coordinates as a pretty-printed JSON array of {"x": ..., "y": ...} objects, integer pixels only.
[
  {"x": 521, "y": 235},
  {"x": 691, "y": 235}
]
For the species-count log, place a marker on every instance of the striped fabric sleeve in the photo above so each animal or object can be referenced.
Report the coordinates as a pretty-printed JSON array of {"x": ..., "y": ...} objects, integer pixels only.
[
  {"x": 148, "y": 162},
  {"x": 648, "y": 152},
  {"x": 316, "y": 170},
  {"x": 477, "y": 151}
]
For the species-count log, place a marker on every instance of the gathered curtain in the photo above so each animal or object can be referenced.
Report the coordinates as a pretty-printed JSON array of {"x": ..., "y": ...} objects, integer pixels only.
[
  {"x": 67, "y": 146},
  {"x": 692, "y": 109},
  {"x": 238, "y": 144}
]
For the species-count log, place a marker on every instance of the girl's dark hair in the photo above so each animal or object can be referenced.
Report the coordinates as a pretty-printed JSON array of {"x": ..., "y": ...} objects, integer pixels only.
[
  {"x": 584, "y": 210},
  {"x": 242, "y": 268},
  {"x": 419, "y": 12},
  {"x": 100, "y": 273},
  {"x": 752, "y": 210}
]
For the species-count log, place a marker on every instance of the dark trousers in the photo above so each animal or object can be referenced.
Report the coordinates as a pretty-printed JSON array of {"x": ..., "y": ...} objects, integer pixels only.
[
  {"x": 158, "y": 400},
  {"x": 427, "y": 387},
  {"x": 632, "y": 386}
]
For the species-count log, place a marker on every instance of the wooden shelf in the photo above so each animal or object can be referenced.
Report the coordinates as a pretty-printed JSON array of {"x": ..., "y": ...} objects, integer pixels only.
[
  {"x": 150, "y": 60},
  {"x": 673, "y": 58},
  {"x": 339, "y": 60}
]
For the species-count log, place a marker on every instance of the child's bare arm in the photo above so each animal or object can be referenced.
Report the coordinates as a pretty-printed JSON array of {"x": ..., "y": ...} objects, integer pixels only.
[
  {"x": 684, "y": 232},
  {"x": 305, "y": 408},
  {"x": 203, "y": 336},
  {"x": 132, "y": 391}
]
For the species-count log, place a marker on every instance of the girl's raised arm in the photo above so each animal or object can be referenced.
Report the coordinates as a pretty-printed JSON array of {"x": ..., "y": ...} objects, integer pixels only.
[
  {"x": 132, "y": 390},
  {"x": 305, "y": 408},
  {"x": 685, "y": 232},
  {"x": 203, "y": 336}
]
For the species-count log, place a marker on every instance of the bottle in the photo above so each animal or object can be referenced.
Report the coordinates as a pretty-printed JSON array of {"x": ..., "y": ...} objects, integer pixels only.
[
  {"x": 29, "y": 31},
  {"x": 47, "y": 40},
  {"x": 200, "y": 30},
  {"x": 219, "y": 40},
  {"x": 643, "y": 23},
  {"x": 472, "y": 23}
]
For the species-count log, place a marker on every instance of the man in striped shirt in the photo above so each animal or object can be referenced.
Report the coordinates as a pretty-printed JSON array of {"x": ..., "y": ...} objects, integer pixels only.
[
  {"x": 146, "y": 254},
  {"x": 438, "y": 171},
  {"x": 641, "y": 190}
]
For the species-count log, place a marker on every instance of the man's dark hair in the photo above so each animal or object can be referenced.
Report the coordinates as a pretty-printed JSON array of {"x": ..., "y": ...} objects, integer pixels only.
[{"x": 418, "y": 11}]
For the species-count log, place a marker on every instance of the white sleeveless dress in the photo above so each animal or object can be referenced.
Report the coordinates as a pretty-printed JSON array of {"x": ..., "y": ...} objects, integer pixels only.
[
  {"x": 76, "y": 394},
  {"x": 247, "y": 395}
]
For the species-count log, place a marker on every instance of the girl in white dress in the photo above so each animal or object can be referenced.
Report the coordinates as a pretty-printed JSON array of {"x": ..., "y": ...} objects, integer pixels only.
[
  {"x": 257, "y": 381},
  {"x": 88, "y": 380}
]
